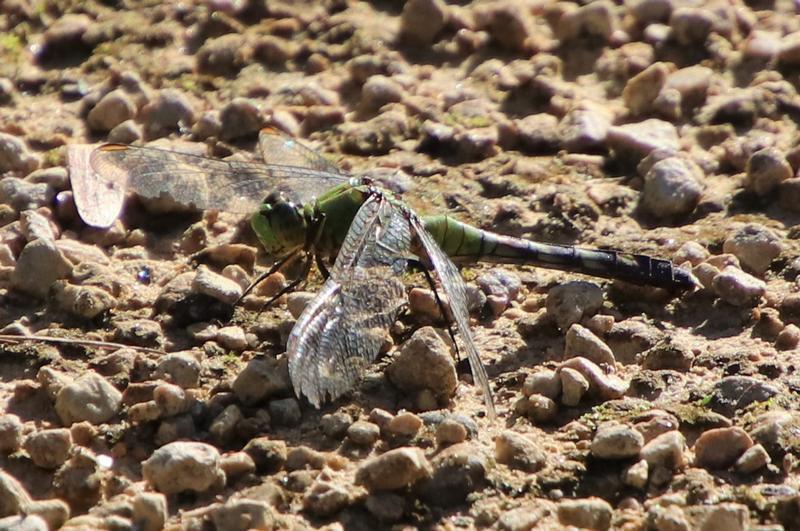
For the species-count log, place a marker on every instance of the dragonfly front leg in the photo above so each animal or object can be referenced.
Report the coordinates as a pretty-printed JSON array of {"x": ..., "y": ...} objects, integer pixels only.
[
  {"x": 277, "y": 266},
  {"x": 313, "y": 239},
  {"x": 292, "y": 285}
]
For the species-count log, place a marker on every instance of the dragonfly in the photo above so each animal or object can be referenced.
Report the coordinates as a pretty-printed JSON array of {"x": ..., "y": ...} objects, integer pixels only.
[{"x": 362, "y": 237}]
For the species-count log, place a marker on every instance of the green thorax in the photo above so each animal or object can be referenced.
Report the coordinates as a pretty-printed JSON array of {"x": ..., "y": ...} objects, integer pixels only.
[{"x": 338, "y": 208}]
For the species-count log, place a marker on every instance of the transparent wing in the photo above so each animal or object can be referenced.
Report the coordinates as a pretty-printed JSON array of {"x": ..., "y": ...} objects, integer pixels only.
[
  {"x": 203, "y": 182},
  {"x": 344, "y": 328},
  {"x": 279, "y": 148},
  {"x": 456, "y": 292}
]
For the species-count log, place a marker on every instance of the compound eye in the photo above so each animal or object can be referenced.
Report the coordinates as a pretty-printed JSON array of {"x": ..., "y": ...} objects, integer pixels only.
[{"x": 275, "y": 198}]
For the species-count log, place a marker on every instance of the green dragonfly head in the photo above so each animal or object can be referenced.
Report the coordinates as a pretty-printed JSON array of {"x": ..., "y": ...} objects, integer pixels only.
[{"x": 280, "y": 225}]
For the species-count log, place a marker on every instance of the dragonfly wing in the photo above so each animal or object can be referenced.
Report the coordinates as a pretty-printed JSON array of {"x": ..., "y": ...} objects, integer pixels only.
[
  {"x": 456, "y": 292},
  {"x": 281, "y": 149},
  {"x": 203, "y": 182},
  {"x": 345, "y": 327},
  {"x": 99, "y": 202}
]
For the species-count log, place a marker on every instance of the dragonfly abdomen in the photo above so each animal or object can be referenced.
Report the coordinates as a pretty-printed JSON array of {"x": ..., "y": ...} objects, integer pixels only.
[{"x": 465, "y": 243}]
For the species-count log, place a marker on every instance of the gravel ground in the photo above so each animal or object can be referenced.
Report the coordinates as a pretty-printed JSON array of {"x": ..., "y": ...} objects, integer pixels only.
[{"x": 651, "y": 126}]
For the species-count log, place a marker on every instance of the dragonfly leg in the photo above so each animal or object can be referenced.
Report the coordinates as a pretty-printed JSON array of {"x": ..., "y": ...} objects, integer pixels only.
[
  {"x": 322, "y": 267},
  {"x": 275, "y": 267},
  {"x": 289, "y": 287},
  {"x": 416, "y": 264}
]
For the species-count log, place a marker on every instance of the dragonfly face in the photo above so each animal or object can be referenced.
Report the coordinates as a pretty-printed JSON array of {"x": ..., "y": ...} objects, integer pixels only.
[{"x": 280, "y": 225}]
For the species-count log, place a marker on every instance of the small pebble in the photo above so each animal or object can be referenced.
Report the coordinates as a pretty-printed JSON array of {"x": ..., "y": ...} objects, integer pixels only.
[
  {"x": 541, "y": 409},
  {"x": 719, "y": 448},
  {"x": 616, "y": 441},
  {"x": 379, "y": 90},
  {"x": 584, "y": 129},
  {"x": 297, "y": 301},
  {"x": 753, "y": 459},
  {"x": 424, "y": 362},
  {"x": 126, "y": 132},
  {"x": 49, "y": 448},
  {"x": 170, "y": 398},
  {"x": 149, "y": 511},
  {"x": 727, "y": 516},
  {"x": 642, "y": 89},
  {"x": 89, "y": 397},
  {"x": 15, "y": 157},
  {"x": 573, "y": 301},
  {"x": 601, "y": 385},
  {"x": 404, "y": 424},
  {"x": 240, "y": 118},
  {"x": 788, "y": 338},
  {"x": 508, "y": 23},
  {"x": 385, "y": 506},
  {"x": 395, "y": 469},
  {"x": 672, "y": 188},
  {"x": 241, "y": 514},
  {"x": 335, "y": 425},
  {"x": 274, "y": 50},
  {"x": 755, "y": 246},
  {"x": 10, "y": 433},
  {"x": 29, "y": 522},
  {"x": 216, "y": 286},
  {"x": 691, "y": 252},
  {"x": 326, "y": 498},
  {"x": 141, "y": 332},
  {"x": 667, "y": 356},
  {"x": 667, "y": 517},
  {"x": 598, "y": 19},
  {"x": 182, "y": 466},
  {"x": 737, "y": 392},
  {"x": 36, "y": 226},
  {"x": 232, "y": 338},
  {"x": 222, "y": 56},
  {"x": 666, "y": 451},
  {"x": 501, "y": 288},
  {"x": 738, "y": 288},
  {"x": 450, "y": 431},
  {"x": 86, "y": 302},
  {"x": 262, "y": 378},
  {"x": 518, "y": 451},
  {"x": 363, "y": 433},
  {"x": 789, "y": 194},
  {"x": 223, "y": 427},
  {"x": 40, "y": 264},
  {"x": 169, "y": 111},
  {"x": 181, "y": 368},
  {"x": 112, "y": 109},
  {"x": 546, "y": 383},
  {"x": 268, "y": 455},
  {"x": 637, "y": 140},
  {"x": 691, "y": 26},
  {"x": 590, "y": 513},
  {"x": 285, "y": 412},
  {"x": 422, "y": 20},
  {"x": 766, "y": 169},
  {"x": 580, "y": 341},
  {"x": 573, "y": 386},
  {"x": 636, "y": 475},
  {"x": 237, "y": 464}
]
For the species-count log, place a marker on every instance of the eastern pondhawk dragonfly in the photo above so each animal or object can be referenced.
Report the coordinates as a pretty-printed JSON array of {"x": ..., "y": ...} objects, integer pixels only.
[{"x": 307, "y": 208}]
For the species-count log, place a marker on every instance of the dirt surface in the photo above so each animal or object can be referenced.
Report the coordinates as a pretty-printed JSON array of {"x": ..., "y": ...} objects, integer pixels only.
[{"x": 653, "y": 127}]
